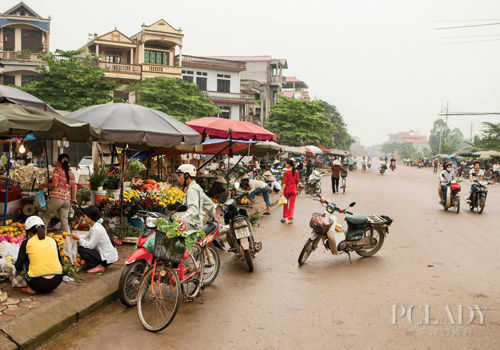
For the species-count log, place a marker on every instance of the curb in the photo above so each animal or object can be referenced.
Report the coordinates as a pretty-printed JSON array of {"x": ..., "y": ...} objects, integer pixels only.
[{"x": 49, "y": 320}]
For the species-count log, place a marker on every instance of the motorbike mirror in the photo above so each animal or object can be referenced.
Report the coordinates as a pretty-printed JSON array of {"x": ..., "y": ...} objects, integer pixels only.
[
  {"x": 237, "y": 185},
  {"x": 352, "y": 204}
]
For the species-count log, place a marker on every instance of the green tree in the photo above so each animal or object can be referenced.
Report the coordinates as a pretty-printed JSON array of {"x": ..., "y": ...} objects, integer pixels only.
[
  {"x": 444, "y": 140},
  {"x": 489, "y": 139},
  {"x": 341, "y": 138},
  {"x": 71, "y": 82},
  {"x": 176, "y": 97},
  {"x": 298, "y": 122}
]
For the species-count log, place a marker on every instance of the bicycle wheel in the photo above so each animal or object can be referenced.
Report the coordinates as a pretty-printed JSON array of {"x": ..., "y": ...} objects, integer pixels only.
[
  {"x": 211, "y": 267},
  {"x": 158, "y": 297},
  {"x": 193, "y": 268}
]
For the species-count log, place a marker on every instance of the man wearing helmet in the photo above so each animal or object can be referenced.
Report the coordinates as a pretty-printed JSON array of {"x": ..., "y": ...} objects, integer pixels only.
[
  {"x": 445, "y": 178},
  {"x": 195, "y": 199}
]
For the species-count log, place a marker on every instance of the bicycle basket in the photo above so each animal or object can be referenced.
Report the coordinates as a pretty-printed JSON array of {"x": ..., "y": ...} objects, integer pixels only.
[
  {"x": 320, "y": 223},
  {"x": 169, "y": 249}
]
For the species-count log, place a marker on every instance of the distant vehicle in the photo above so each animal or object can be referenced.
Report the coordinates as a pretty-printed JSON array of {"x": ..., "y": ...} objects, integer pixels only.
[{"x": 86, "y": 166}]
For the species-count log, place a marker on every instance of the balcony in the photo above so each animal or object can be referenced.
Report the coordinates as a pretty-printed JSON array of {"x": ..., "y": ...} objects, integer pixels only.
[
  {"x": 19, "y": 56},
  {"x": 275, "y": 80},
  {"x": 155, "y": 70},
  {"x": 229, "y": 97},
  {"x": 121, "y": 71}
]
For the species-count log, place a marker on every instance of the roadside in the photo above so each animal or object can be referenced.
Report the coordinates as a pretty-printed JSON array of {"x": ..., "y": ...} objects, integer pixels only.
[{"x": 50, "y": 314}]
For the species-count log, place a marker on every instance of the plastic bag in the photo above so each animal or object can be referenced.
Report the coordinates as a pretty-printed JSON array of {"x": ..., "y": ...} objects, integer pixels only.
[
  {"x": 71, "y": 249},
  {"x": 40, "y": 200},
  {"x": 150, "y": 244},
  {"x": 282, "y": 200}
]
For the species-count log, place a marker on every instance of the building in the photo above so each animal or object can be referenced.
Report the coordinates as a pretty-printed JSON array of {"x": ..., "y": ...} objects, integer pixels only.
[
  {"x": 24, "y": 35},
  {"x": 411, "y": 137},
  {"x": 264, "y": 79},
  {"x": 220, "y": 80},
  {"x": 295, "y": 88},
  {"x": 156, "y": 51}
]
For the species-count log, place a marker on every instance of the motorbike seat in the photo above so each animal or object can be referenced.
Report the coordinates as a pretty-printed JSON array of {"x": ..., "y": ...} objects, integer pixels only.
[
  {"x": 209, "y": 227},
  {"x": 356, "y": 220}
]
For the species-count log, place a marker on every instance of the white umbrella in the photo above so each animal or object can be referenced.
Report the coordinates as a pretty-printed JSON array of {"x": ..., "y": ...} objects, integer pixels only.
[{"x": 314, "y": 149}]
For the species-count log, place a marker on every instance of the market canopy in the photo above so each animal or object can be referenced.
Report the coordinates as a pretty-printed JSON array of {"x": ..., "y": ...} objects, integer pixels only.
[
  {"x": 132, "y": 124},
  {"x": 13, "y": 95},
  {"x": 314, "y": 149},
  {"x": 16, "y": 120},
  {"x": 294, "y": 150},
  {"x": 488, "y": 154},
  {"x": 338, "y": 152},
  {"x": 307, "y": 150},
  {"x": 221, "y": 146},
  {"x": 266, "y": 147},
  {"x": 219, "y": 128}
]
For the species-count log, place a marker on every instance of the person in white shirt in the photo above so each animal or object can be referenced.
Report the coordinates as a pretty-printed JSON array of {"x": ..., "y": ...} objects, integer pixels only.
[
  {"x": 445, "y": 178},
  {"x": 496, "y": 169},
  {"x": 475, "y": 174},
  {"x": 271, "y": 181},
  {"x": 97, "y": 250},
  {"x": 255, "y": 187}
]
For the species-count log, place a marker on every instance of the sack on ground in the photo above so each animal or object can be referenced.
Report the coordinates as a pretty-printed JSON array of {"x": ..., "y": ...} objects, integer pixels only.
[{"x": 282, "y": 200}]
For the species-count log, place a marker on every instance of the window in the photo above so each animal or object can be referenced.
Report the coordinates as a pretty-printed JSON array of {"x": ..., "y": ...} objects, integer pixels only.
[
  {"x": 156, "y": 57},
  {"x": 31, "y": 40},
  {"x": 225, "y": 112},
  {"x": 9, "y": 39},
  {"x": 188, "y": 78},
  {"x": 9, "y": 79},
  {"x": 201, "y": 82},
  {"x": 202, "y": 73},
  {"x": 223, "y": 85},
  {"x": 25, "y": 79},
  {"x": 113, "y": 57}
]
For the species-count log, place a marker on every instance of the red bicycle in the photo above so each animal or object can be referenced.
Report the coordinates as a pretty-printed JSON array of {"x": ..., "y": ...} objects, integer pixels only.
[{"x": 161, "y": 286}]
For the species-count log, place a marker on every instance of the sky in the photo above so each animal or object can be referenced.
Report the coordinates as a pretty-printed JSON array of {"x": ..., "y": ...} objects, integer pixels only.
[{"x": 383, "y": 63}]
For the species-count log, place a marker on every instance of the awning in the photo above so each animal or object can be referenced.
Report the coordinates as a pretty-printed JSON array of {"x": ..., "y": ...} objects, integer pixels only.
[{"x": 219, "y": 128}]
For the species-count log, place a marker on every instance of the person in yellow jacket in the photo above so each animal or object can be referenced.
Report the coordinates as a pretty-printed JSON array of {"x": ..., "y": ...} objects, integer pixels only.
[{"x": 39, "y": 258}]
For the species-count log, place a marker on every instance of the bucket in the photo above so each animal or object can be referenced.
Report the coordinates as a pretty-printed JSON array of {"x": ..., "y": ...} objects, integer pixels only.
[{"x": 99, "y": 196}]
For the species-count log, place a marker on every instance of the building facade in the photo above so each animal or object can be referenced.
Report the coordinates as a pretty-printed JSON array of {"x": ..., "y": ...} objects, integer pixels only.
[
  {"x": 262, "y": 78},
  {"x": 295, "y": 88},
  {"x": 156, "y": 51},
  {"x": 220, "y": 81},
  {"x": 24, "y": 35},
  {"x": 410, "y": 137}
]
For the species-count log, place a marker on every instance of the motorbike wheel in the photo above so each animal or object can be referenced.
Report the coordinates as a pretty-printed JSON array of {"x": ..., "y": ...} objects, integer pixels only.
[
  {"x": 248, "y": 259},
  {"x": 129, "y": 282},
  {"x": 380, "y": 242},
  {"x": 457, "y": 205},
  {"x": 306, "y": 251},
  {"x": 481, "y": 201},
  {"x": 212, "y": 266}
]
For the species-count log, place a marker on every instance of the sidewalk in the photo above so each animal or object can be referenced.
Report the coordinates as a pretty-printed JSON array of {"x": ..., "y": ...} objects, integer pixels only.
[{"x": 27, "y": 321}]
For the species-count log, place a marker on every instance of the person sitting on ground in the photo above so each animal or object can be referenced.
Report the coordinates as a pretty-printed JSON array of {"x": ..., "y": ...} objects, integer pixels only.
[
  {"x": 271, "y": 181},
  {"x": 97, "y": 250},
  {"x": 39, "y": 258},
  {"x": 255, "y": 187},
  {"x": 475, "y": 174}
]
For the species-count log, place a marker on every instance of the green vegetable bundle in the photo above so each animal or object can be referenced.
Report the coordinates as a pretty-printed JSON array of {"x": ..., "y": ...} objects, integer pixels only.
[{"x": 178, "y": 240}]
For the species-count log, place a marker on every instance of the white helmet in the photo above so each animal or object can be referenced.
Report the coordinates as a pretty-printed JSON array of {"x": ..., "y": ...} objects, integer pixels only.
[
  {"x": 187, "y": 168},
  {"x": 33, "y": 221}
]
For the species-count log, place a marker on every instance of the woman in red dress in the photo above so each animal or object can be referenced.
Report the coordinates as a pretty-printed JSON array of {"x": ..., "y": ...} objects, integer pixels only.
[{"x": 290, "y": 182}]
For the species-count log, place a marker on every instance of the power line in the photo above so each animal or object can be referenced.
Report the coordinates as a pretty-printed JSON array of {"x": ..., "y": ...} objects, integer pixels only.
[
  {"x": 470, "y": 26},
  {"x": 470, "y": 36},
  {"x": 468, "y": 20},
  {"x": 472, "y": 113},
  {"x": 471, "y": 41}
]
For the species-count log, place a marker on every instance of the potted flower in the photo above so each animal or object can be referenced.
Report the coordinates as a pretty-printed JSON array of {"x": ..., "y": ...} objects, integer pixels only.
[
  {"x": 83, "y": 196},
  {"x": 96, "y": 181},
  {"x": 112, "y": 185}
]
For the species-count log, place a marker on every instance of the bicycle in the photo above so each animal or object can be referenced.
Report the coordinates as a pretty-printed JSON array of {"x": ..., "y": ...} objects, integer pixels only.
[{"x": 161, "y": 286}]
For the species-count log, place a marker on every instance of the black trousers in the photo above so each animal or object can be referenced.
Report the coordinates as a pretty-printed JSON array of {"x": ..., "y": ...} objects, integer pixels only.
[
  {"x": 335, "y": 184},
  {"x": 44, "y": 285},
  {"x": 92, "y": 257}
]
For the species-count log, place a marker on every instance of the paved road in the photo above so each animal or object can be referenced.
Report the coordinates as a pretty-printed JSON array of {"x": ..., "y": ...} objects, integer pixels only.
[{"x": 431, "y": 257}]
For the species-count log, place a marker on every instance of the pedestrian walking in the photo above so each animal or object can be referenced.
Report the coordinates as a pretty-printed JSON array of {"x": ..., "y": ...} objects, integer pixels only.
[
  {"x": 436, "y": 163},
  {"x": 290, "y": 182},
  {"x": 336, "y": 169}
]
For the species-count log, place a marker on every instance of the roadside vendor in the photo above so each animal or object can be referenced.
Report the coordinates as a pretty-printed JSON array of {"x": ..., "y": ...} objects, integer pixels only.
[
  {"x": 271, "y": 181},
  {"x": 256, "y": 187},
  {"x": 97, "y": 250},
  {"x": 39, "y": 258},
  {"x": 62, "y": 194}
]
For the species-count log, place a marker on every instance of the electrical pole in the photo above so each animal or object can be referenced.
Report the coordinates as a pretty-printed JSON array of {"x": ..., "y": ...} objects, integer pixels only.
[{"x": 470, "y": 132}]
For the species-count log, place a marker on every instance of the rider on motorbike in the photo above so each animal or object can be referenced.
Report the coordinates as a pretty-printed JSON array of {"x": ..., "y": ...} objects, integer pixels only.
[
  {"x": 195, "y": 200},
  {"x": 474, "y": 174},
  {"x": 445, "y": 178}
]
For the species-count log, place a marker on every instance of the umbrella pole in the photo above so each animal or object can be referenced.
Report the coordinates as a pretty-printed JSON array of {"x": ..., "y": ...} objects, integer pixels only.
[
  {"x": 7, "y": 185},
  {"x": 121, "y": 187},
  {"x": 215, "y": 155},
  {"x": 47, "y": 161}
]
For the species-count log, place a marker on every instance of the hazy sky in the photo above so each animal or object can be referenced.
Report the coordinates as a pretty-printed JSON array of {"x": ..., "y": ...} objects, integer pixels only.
[{"x": 381, "y": 62}]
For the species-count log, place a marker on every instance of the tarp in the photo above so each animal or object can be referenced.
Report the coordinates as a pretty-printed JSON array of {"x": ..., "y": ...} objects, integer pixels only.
[
  {"x": 214, "y": 146},
  {"x": 314, "y": 149},
  {"x": 124, "y": 123},
  {"x": 13, "y": 95},
  {"x": 294, "y": 150},
  {"x": 488, "y": 154},
  {"x": 219, "y": 128},
  {"x": 16, "y": 120},
  {"x": 338, "y": 152}
]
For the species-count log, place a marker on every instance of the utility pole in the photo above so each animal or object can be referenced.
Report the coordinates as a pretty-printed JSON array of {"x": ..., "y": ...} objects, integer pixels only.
[{"x": 470, "y": 132}]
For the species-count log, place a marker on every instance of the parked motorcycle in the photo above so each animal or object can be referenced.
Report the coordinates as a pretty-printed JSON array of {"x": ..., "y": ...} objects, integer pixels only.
[
  {"x": 239, "y": 233},
  {"x": 452, "y": 199},
  {"x": 365, "y": 234},
  {"x": 141, "y": 258},
  {"x": 313, "y": 184},
  {"x": 478, "y": 200}
]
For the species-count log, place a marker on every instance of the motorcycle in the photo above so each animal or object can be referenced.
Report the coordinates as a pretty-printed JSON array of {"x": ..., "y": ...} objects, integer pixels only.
[
  {"x": 383, "y": 168},
  {"x": 239, "y": 233},
  {"x": 365, "y": 235},
  {"x": 313, "y": 184},
  {"x": 479, "y": 197},
  {"x": 141, "y": 258},
  {"x": 452, "y": 199},
  {"x": 393, "y": 166}
]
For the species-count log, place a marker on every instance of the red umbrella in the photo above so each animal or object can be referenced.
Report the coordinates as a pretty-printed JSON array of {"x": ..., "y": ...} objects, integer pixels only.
[
  {"x": 308, "y": 151},
  {"x": 219, "y": 128}
]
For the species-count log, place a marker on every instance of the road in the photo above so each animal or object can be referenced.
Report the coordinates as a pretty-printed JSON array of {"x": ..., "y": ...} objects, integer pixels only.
[{"x": 432, "y": 261}]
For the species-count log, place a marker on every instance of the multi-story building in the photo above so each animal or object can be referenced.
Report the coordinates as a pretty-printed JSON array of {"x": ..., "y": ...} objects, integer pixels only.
[
  {"x": 220, "y": 81},
  {"x": 156, "y": 51},
  {"x": 24, "y": 35},
  {"x": 411, "y": 137},
  {"x": 263, "y": 77},
  {"x": 295, "y": 88}
]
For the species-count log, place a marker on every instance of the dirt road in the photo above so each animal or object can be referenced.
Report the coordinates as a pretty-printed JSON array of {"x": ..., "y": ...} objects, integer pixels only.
[{"x": 432, "y": 262}]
